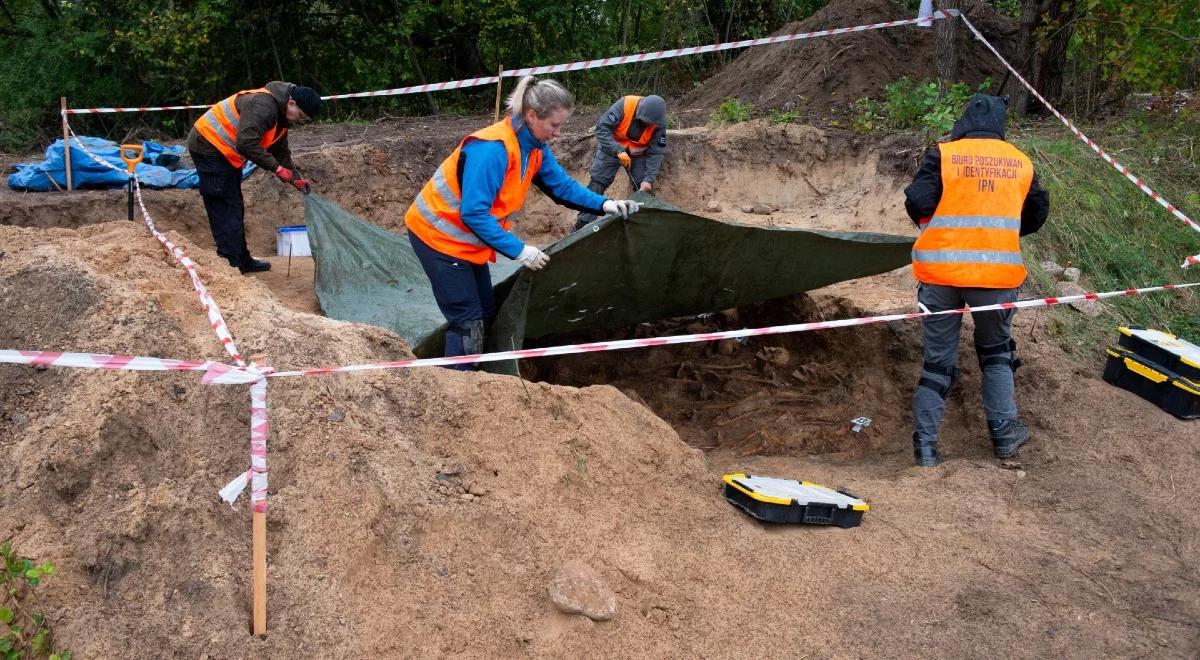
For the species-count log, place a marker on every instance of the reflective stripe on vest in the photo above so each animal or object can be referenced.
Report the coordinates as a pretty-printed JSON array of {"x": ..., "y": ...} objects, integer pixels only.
[
  {"x": 219, "y": 126},
  {"x": 973, "y": 237},
  {"x": 435, "y": 216},
  {"x": 621, "y": 134}
]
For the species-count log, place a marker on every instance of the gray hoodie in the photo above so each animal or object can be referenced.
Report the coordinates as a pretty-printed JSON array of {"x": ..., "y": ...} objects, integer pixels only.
[{"x": 609, "y": 122}]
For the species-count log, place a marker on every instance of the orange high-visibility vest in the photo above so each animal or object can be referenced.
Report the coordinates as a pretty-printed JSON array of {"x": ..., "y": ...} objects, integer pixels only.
[
  {"x": 621, "y": 135},
  {"x": 435, "y": 216},
  {"x": 973, "y": 237},
  {"x": 220, "y": 126}
]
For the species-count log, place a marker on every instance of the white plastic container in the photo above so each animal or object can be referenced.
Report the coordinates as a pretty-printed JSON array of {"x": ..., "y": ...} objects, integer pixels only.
[{"x": 292, "y": 240}]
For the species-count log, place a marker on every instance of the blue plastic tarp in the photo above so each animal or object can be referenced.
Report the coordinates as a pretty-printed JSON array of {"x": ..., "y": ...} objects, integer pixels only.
[{"x": 154, "y": 171}]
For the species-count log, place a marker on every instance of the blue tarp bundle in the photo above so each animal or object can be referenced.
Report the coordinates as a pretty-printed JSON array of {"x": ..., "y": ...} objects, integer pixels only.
[{"x": 153, "y": 171}]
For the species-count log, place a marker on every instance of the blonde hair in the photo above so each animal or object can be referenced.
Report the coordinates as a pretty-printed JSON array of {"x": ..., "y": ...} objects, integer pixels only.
[{"x": 541, "y": 96}]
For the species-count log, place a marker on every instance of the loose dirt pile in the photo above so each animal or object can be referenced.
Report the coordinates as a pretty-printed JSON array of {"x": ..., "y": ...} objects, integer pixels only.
[{"x": 827, "y": 74}]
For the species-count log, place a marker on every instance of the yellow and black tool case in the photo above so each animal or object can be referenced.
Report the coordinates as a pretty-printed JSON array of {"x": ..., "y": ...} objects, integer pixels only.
[
  {"x": 790, "y": 501},
  {"x": 1153, "y": 382},
  {"x": 1179, "y": 356}
]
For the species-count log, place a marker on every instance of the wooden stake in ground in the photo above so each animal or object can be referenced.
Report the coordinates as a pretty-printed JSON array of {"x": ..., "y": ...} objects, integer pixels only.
[
  {"x": 260, "y": 573},
  {"x": 499, "y": 86},
  {"x": 259, "y": 547},
  {"x": 62, "y": 100}
]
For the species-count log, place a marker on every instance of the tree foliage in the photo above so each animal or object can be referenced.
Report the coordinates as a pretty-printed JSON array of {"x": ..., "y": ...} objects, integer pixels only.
[
  {"x": 153, "y": 52},
  {"x": 1149, "y": 46}
]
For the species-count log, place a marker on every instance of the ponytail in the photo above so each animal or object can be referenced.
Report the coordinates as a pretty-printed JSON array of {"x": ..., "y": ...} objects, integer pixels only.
[{"x": 541, "y": 96}]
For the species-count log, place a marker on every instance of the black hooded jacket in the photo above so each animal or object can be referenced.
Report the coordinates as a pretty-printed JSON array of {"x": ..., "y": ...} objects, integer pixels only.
[{"x": 985, "y": 117}]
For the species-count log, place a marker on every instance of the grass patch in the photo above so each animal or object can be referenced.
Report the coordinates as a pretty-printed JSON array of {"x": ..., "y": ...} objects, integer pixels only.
[
  {"x": 731, "y": 111},
  {"x": 1105, "y": 226}
]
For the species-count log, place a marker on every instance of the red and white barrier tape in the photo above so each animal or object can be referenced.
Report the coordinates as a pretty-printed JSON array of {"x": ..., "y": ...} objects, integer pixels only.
[
  {"x": 558, "y": 68},
  {"x": 224, "y": 374},
  {"x": 1190, "y": 261},
  {"x": 256, "y": 476},
  {"x": 215, "y": 373},
  {"x": 708, "y": 336},
  {"x": 215, "y": 319}
]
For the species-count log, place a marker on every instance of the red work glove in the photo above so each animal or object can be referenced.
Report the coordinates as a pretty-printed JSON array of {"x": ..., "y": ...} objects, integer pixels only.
[
  {"x": 626, "y": 161},
  {"x": 287, "y": 176}
]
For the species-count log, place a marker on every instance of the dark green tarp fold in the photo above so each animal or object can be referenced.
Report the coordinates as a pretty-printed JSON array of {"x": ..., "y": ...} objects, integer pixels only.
[{"x": 662, "y": 262}]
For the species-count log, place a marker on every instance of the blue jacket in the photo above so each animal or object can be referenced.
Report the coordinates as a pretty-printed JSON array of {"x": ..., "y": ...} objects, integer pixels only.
[{"x": 482, "y": 166}]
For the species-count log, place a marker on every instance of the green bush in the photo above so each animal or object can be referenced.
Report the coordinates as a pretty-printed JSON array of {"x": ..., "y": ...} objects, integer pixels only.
[
  {"x": 909, "y": 105},
  {"x": 732, "y": 111},
  {"x": 24, "y": 631},
  {"x": 782, "y": 116}
]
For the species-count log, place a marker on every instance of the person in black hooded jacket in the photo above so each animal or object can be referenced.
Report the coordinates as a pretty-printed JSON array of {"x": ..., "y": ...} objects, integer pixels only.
[
  {"x": 251, "y": 125},
  {"x": 973, "y": 198}
]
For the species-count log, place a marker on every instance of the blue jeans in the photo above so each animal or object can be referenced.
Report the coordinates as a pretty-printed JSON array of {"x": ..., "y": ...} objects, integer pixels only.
[{"x": 463, "y": 291}]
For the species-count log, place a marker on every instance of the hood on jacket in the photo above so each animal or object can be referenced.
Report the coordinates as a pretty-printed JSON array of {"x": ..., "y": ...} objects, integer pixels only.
[
  {"x": 652, "y": 110},
  {"x": 985, "y": 116},
  {"x": 281, "y": 91}
]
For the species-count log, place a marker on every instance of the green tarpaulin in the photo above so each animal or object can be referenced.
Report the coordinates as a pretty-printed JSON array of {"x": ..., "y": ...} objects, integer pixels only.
[{"x": 662, "y": 262}]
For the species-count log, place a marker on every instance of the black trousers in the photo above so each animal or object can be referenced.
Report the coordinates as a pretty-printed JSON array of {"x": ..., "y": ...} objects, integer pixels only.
[{"x": 221, "y": 188}]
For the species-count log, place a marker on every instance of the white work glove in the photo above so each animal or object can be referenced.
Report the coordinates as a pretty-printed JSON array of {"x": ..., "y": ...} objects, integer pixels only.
[
  {"x": 621, "y": 207},
  {"x": 533, "y": 258}
]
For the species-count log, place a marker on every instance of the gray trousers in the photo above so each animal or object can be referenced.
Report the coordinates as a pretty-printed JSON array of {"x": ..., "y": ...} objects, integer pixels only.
[
  {"x": 993, "y": 345},
  {"x": 603, "y": 172}
]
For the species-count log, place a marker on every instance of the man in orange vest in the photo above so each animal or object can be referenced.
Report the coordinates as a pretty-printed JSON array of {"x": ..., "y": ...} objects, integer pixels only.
[
  {"x": 250, "y": 125},
  {"x": 632, "y": 134},
  {"x": 973, "y": 198}
]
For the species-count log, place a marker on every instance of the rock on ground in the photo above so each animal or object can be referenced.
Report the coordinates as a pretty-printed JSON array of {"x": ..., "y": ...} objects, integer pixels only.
[{"x": 576, "y": 589}]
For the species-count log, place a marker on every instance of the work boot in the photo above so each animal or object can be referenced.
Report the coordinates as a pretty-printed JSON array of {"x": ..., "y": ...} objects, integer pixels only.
[
  {"x": 252, "y": 265},
  {"x": 1007, "y": 436},
  {"x": 926, "y": 453}
]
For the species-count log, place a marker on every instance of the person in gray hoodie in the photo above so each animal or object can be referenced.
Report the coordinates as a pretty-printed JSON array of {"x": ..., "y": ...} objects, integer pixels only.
[
  {"x": 631, "y": 134},
  {"x": 973, "y": 198},
  {"x": 250, "y": 125}
]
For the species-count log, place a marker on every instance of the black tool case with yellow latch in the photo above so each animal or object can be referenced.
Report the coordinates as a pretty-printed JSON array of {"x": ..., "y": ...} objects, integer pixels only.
[
  {"x": 1178, "y": 355},
  {"x": 790, "y": 501},
  {"x": 1130, "y": 369}
]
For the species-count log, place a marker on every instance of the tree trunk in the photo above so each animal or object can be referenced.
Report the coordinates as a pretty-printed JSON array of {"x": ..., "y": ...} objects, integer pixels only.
[
  {"x": 51, "y": 10},
  {"x": 1050, "y": 58},
  {"x": 412, "y": 56},
  {"x": 946, "y": 46},
  {"x": 1025, "y": 54}
]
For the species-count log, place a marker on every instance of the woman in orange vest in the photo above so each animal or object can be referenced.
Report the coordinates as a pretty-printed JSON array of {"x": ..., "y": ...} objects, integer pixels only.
[
  {"x": 632, "y": 134},
  {"x": 973, "y": 198},
  {"x": 250, "y": 125},
  {"x": 463, "y": 215}
]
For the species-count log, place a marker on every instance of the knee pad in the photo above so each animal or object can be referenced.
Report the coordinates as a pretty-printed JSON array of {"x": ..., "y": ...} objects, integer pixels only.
[
  {"x": 473, "y": 338},
  {"x": 933, "y": 385},
  {"x": 1003, "y": 353}
]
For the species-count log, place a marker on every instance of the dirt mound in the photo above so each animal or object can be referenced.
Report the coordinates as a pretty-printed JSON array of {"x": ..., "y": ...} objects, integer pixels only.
[
  {"x": 113, "y": 475},
  {"x": 829, "y": 73}
]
